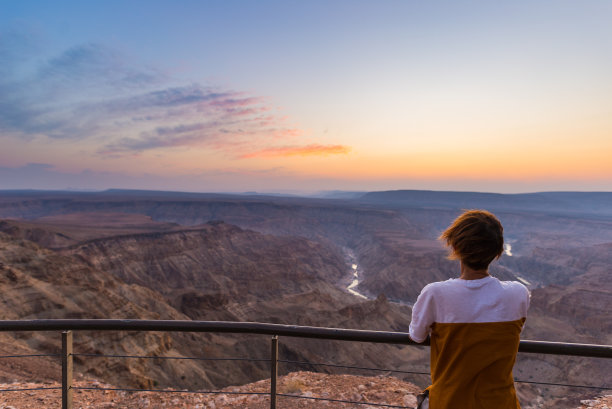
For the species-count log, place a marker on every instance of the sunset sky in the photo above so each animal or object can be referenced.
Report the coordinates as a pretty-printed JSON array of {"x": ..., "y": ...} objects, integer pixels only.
[{"x": 305, "y": 96}]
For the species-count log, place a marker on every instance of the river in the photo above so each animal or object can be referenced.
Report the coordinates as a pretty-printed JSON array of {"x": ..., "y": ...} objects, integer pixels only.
[
  {"x": 352, "y": 287},
  {"x": 508, "y": 252},
  {"x": 355, "y": 272}
]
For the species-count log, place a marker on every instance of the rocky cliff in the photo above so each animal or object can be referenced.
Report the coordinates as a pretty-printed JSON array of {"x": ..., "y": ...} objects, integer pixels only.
[
  {"x": 38, "y": 283},
  {"x": 214, "y": 272}
]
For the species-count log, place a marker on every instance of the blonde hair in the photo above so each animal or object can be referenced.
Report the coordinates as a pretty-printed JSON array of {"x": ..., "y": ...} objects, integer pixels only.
[{"x": 476, "y": 238}]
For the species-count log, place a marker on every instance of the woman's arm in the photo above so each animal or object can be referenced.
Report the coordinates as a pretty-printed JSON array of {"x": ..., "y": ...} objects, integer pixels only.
[{"x": 423, "y": 315}]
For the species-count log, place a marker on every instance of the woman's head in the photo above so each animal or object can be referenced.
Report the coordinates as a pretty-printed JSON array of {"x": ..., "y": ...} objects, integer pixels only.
[{"x": 476, "y": 238}]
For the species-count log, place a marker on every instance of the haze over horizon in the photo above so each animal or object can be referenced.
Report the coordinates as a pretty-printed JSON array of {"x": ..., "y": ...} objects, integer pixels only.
[{"x": 273, "y": 96}]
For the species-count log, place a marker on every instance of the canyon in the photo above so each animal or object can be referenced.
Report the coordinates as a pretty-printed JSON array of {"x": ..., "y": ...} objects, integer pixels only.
[{"x": 160, "y": 255}]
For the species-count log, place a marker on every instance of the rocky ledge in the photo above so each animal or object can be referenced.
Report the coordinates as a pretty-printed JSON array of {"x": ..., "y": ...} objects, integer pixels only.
[
  {"x": 303, "y": 387},
  {"x": 603, "y": 402},
  {"x": 307, "y": 385}
]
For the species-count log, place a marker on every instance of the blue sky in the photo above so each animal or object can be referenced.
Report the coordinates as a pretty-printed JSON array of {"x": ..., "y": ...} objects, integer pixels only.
[{"x": 305, "y": 96}]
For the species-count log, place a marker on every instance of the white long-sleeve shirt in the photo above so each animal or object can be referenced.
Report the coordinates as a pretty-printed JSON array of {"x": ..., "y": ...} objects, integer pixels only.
[{"x": 463, "y": 301}]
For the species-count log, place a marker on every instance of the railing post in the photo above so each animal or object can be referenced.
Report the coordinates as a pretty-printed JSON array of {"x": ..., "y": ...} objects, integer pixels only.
[
  {"x": 273, "y": 371},
  {"x": 67, "y": 370}
]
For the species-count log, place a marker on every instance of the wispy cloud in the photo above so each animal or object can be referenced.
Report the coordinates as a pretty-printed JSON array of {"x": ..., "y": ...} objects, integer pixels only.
[
  {"x": 48, "y": 98},
  {"x": 307, "y": 150},
  {"x": 93, "y": 65},
  {"x": 96, "y": 97},
  {"x": 47, "y": 176}
]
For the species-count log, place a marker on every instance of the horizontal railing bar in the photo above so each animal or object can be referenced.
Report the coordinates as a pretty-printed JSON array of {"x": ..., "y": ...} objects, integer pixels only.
[
  {"x": 28, "y": 355},
  {"x": 85, "y": 388},
  {"x": 31, "y": 389},
  {"x": 342, "y": 401},
  {"x": 314, "y": 364},
  {"x": 340, "y": 334},
  {"x": 195, "y": 358},
  {"x": 208, "y": 326},
  {"x": 563, "y": 348},
  {"x": 568, "y": 385},
  {"x": 353, "y": 367}
]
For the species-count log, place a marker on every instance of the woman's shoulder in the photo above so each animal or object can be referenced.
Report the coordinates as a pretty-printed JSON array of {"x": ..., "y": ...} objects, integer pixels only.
[
  {"x": 483, "y": 283},
  {"x": 514, "y": 286},
  {"x": 515, "y": 289},
  {"x": 441, "y": 285}
]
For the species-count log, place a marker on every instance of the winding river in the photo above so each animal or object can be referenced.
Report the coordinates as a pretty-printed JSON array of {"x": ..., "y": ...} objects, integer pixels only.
[
  {"x": 355, "y": 272},
  {"x": 355, "y": 282},
  {"x": 352, "y": 287},
  {"x": 508, "y": 252}
]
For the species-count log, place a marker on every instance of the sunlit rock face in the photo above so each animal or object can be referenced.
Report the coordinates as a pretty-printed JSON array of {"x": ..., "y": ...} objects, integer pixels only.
[
  {"x": 38, "y": 283},
  {"x": 215, "y": 258}
]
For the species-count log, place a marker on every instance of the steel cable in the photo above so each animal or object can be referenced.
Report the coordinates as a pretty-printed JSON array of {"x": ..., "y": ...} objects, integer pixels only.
[
  {"x": 28, "y": 355},
  {"x": 565, "y": 384},
  {"x": 30, "y": 389},
  {"x": 354, "y": 367},
  {"x": 172, "y": 357},
  {"x": 343, "y": 401},
  {"x": 169, "y": 391}
]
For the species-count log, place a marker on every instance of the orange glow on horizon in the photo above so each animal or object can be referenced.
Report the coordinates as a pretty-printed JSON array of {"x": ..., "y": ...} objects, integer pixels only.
[
  {"x": 308, "y": 150},
  {"x": 515, "y": 164}
]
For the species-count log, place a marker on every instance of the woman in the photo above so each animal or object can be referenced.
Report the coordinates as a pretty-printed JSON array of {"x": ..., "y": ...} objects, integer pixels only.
[{"x": 474, "y": 321}]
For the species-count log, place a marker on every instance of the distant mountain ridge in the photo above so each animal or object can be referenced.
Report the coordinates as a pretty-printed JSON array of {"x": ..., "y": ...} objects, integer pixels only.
[{"x": 599, "y": 203}]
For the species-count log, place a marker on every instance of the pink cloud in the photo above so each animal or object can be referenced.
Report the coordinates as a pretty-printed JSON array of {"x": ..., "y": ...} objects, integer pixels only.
[
  {"x": 307, "y": 150},
  {"x": 237, "y": 102}
]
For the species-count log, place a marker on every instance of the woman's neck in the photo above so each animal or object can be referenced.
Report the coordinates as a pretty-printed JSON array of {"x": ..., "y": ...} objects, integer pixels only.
[{"x": 468, "y": 273}]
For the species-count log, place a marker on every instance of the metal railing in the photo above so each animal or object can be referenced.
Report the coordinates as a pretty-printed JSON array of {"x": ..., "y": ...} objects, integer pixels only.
[{"x": 66, "y": 326}]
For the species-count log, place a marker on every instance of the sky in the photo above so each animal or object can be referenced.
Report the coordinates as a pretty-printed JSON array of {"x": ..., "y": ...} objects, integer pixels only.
[{"x": 306, "y": 96}]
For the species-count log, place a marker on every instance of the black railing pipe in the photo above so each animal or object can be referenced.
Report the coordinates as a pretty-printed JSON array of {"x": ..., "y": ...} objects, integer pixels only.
[
  {"x": 564, "y": 348},
  {"x": 208, "y": 326},
  {"x": 340, "y": 334}
]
